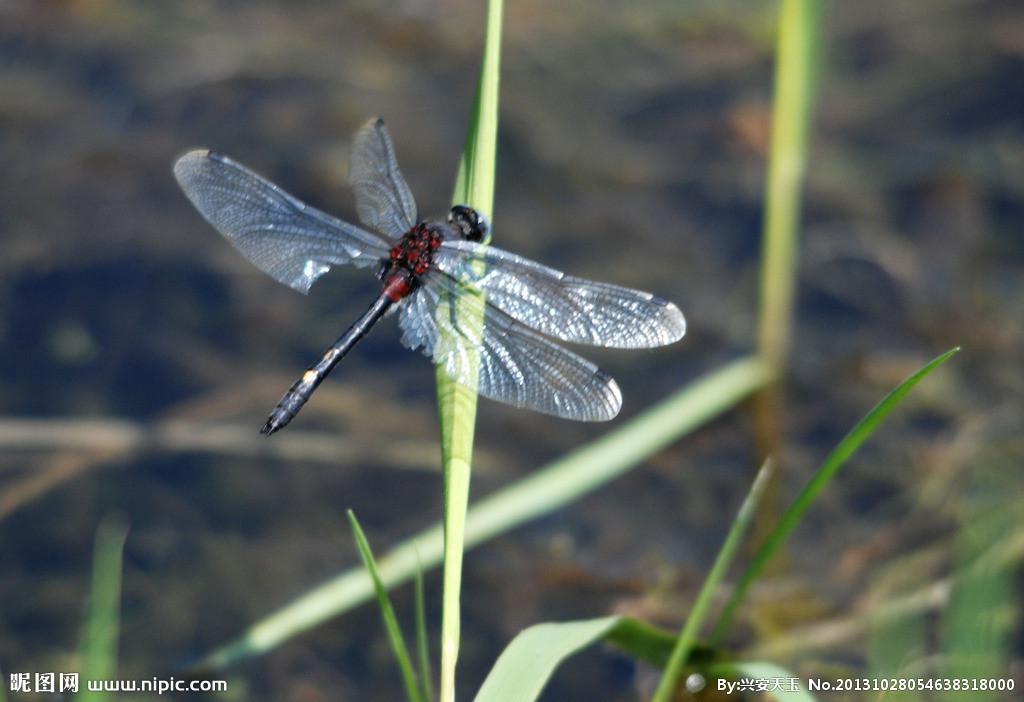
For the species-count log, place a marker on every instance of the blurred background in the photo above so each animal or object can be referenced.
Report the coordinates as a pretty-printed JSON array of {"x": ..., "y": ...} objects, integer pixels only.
[{"x": 632, "y": 149}]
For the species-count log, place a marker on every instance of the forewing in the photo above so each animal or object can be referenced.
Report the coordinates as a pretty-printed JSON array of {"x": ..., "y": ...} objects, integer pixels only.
[
  {"x": 562, "y": 306},
  {"x": 515, "y": 365},
  {"x": 290, "y": 240},
  {"x": 383, "y": 198}
]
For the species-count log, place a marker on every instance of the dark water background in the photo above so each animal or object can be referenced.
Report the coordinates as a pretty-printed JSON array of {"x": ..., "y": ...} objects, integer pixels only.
[{"x": 632, "y": 149}]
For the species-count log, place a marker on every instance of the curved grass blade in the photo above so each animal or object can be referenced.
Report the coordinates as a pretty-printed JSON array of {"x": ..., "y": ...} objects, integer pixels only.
[
  {"x": 387, "y": 612},
  {"x": 553, "y": 486},
  {"x": 527, "y": 663},
  {"x": 833, "y": 462},
  {"x": 456, "y": 403},
  {"x": 103, "y": 617},
  {"x": 688, "y": 636}
]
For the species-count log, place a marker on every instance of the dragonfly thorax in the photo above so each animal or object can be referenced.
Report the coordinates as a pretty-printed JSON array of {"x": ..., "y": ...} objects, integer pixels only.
[
  {"x": 409, "y": 259},
  {"x": 415, "y": 250}
]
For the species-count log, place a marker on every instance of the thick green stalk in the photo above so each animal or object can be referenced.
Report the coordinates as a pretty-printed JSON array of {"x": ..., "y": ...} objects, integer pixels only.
[{"x": 457, "y": 403}]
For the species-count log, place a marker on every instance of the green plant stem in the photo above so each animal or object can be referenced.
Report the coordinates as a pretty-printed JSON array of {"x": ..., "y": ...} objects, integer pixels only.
[
  {"x": 688, "y": 636},
  {"x": 791, "y": 107},
  {"x": 795, "y": 58},
  {"x": 457, "y": 403}
]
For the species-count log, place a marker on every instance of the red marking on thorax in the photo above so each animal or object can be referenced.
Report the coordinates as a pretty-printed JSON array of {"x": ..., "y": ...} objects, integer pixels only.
[
  {"x": 397, "y": 286},
  {"x": 415, "y": 251}
]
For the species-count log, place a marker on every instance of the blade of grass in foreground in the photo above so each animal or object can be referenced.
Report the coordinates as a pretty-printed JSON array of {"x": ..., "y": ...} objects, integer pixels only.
[
  {"x": 457, "y": 403},
  {"x": 527, "y": 663},
  {"x": 387, "y": 612},
  {"x": 833, "y": 462},
  {"x": 688, "y": 636},
  {"x": 545, "y": 490},
  {"x": 102, "y": 623}
]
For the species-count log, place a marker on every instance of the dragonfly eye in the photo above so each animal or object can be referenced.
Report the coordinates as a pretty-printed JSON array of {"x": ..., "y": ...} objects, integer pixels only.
[
  {"x": 482, "y": 226},
  {"x": 471, "y": 224}
]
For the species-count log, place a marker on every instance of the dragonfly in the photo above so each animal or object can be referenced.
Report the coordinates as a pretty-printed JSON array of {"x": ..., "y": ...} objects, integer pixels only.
[{"x": 492, "y": 319}]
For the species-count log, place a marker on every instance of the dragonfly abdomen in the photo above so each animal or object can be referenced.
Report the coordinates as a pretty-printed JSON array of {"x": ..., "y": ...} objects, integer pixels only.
[{"x": 293, "y": 400}]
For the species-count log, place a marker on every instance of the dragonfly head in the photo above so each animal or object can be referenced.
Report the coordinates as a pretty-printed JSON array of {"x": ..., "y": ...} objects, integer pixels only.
[{"x": 471, "y": 224}]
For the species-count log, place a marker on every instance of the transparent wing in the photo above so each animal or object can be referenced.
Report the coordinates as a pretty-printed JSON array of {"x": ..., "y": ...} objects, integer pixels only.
[
  {"x": 383, "y": 198},
  {"x": 516, "y": 366},
  {"x": 567, "y": 308},
  {"x": 280, "y": 234}
]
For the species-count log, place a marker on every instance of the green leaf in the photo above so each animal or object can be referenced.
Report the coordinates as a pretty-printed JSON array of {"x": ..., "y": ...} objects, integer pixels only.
[
  {"x": 643, "y": 641},
  {"x": 527, "y": 663},
  {"x": 102, "y": 622},
  {"x": 387, "y": 612},
  {"x": 544, "y": 490},
  {"x": 833, "y": 462},
  {"x": 775, "y": 676},
  {"x": 457, "y": 403},
  {"x": 688, "y": 636}
]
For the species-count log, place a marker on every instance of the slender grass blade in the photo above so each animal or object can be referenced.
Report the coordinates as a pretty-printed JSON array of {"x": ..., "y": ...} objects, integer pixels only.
[
  {"x": 796, "y": 70},
  {"x": 688, "y": 636},
  {"x": 833, "y": 462},
  {"x": 103, "y": 617},
  {"x": 387, "y": 612}
]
